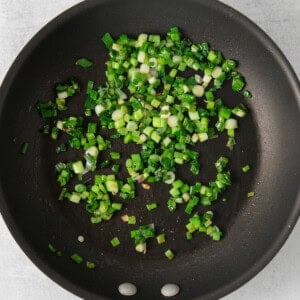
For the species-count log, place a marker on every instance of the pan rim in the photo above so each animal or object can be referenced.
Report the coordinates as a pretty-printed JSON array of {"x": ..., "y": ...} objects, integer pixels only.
[{"x": 9, "y": 79}]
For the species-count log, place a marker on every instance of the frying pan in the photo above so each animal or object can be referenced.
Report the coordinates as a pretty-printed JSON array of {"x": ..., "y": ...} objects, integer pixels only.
[{"x": 268, "y": 139}]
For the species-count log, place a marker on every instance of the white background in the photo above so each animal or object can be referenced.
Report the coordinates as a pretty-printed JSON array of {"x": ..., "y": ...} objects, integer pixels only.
[{"x": 19, "y": 278}]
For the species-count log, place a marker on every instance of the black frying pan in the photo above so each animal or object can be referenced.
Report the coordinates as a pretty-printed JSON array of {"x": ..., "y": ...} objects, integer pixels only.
[{"x": 268, "y": 139}]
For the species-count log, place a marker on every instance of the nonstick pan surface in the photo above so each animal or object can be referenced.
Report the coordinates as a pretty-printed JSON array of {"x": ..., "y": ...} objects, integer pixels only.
[{"x": 268, "y": 139}]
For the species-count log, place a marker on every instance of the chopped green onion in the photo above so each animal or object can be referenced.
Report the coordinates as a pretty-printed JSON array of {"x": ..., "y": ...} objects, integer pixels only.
[
  {"x": 92, "y": 128},
  {"x": 221, "y": 163},
  {"x": 61, "y": 148},
  {"x": 140, "y": 236},
  {"x": 47, "y": 110},
  {"x": 54, "y": 133},
  {"x": 131, "y": 220},
  {"x": 169, "y": 254},
  {"x": 229, "y": 65},
  {"x": 90, "y": 265},
  {"x": 76, "y": 258},
  {"x": 84, "y": 63},
  {"x": 52, "y": 248},
  {"x": 189, "y": 236},
  {"x": 161, "y": 238},
  {"x": 117, "y": 206},
  {"x": 115, "y": 168},
  {"x": 237, "y": 82},
  {"x": 105, "y": 164},
  {"x": 246, "y": 168},
  {"x": 24, "y": 148},
  {"x": 62, "y": 194},
  {"x": 247, "y": 94},
  {"x": 250, "y": 194},
  {"x": 147, "y": 101},
  {"x": 115, "y": 242},
  {"x": 151, "y": 206},
  {"x": 107, "y": 40},
  {"x": 78, "y": 167}
]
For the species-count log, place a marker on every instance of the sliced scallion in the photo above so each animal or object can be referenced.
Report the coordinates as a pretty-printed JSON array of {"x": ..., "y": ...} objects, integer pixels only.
[
  {"x": 77, "y": 258},
  {"x": 250, "y": 194},
  {"x": 246, "y": 168},
  {"x": 115, "y": 242},
  {"x": 24, "y": 148},
  {"x": 169, "y": 254},
  {"x": 84, "y": 62}
]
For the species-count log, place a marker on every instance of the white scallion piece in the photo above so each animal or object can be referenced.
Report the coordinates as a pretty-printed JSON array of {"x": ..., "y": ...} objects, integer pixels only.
[
  {"x": 198, "y": 90},
  {"x": 144, "y": 69},
  {"x": 231, "y": 124},
  {"x": 117, "y": 115},
  {"x": 99, "y": 109},
  {"x": 173, "y": 121},
  {"x": 80, "y": 238},
  {"x": 217, "y": 71}
]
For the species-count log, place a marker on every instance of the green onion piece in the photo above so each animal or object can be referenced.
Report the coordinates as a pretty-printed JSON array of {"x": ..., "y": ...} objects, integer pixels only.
[
  {"x": 115, "y": 155},
  {"x": 143, "y": 233},
  {"x": 174, "y": 34},
  {"x": 107, "y": 40},
  {"x": 193, "y": 202},
  {"x": 115, "y": 135},
  {"x": 46, "y": 129},
  {"x": 195, "y": 167},
  {"x": 171, "y": 204},
  {"x": 76, "y": 258},
  {"x": 115, "y": 242},
  {"x": 221, "y": 163},
  {"x": 228, "y": 65},
  {"x": 78, "y": 167},
  {"x": 246, "y": 168},
  {"x": 92, "y": 128},
  {"x": 247, "y": 94},
  {"x": 224, "y": 112},
  {"x": 237, "y": 82},
  {"x": 117, "y": 206},
  {"x": 189, "y": 236},
  {"x": 80, "y": 188},
  {"x": 62, "y": 194},
  {"x": 115, "y": 168},
  {"x": 169, "y": 254},
  {"x": 24, "y": 148},
  {"x": 231, "y": 142},
  {"x": 131, "y": 220},
  {"x": 47, "y": 110},
  {"x": 52, "y": 248},
  {"x": 84, "y": 63},
  {"x": 250, "y": 194},
  {"x": 216, "y": 234},
  {"x": 240, "y": 110},
  {"x": 161, "y": 238},
  {"x": 54, "y": 133},
  {"x": 105, "y": 164},
  {"x": 61, "y": 148},
  {"x": 151, "y": 206},
  {"x": 90, "y": 265}
]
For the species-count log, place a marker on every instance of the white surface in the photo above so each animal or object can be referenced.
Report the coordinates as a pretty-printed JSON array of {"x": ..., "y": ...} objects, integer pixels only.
[{"x": 19, "y": 278}]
